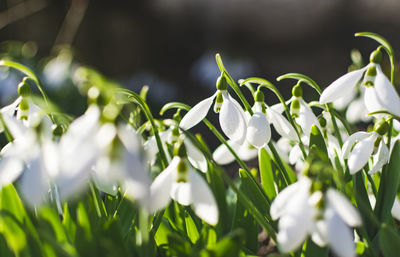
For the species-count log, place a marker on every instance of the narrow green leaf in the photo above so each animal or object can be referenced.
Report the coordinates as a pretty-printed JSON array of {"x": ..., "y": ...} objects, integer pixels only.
[
  {"x": 378, "y": 38},
  {"x": 317, "y": 139},
  {"x": 244, "y": 220},
  {"x": 191, "y": 229},
  {"x": 266, "y": 173},
  {"x": 389, "y": 241},
  {"x": 388, "y": 185}
]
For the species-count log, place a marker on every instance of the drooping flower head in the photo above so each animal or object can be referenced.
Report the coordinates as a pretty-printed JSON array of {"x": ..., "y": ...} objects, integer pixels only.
[{"x": 231, "y": 115}]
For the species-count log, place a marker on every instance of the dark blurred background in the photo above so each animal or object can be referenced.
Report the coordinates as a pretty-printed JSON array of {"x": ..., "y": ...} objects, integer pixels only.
[{"x": 171, "y": 44}]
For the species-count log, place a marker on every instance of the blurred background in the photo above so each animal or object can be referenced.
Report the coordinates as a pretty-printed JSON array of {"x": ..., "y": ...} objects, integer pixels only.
[{"x": 170, "y": 45}]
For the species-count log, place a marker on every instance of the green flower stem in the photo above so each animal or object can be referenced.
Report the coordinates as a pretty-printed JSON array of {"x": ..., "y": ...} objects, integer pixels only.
[
  {"x": 265, "y": 83},
  {"x": 146, "y": 110},
  {"x": 278, "y": 160},
  {"x": 335, "y": 126},
  {"x": 143, "y": 239},
  {"x": 233, "y": 84}
]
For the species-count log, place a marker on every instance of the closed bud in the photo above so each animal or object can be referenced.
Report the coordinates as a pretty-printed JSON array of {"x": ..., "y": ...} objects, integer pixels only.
[
  {"x": 259, "y": 96},
  {"x": 221, "y": 83},
  {"x": 322, "y": 121},
  {"x": 24, "y": 89},
  {"x": 57, "y": 130},
  {"x": 297, "y": 91},
  {"x": 376, "y": 56}
]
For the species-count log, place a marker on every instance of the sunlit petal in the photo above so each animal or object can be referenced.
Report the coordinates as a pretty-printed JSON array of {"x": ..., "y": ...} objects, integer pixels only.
[
  {"x": 232, "y": 121},
  {"x": 360, "y": 154},
  {"x": 341, "y": 87},
  {"x": 203, "y": 200},
  {"x": 344, "y": 208},
  {"x": 258, "y": 130},
  {"x": 197, "y": 113},
  {"x": 182, "y": 193}
]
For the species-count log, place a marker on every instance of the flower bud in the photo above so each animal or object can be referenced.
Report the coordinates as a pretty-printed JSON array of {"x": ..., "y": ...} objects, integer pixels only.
[
  {"x": 57, "y": 130},
  {"x": 295, "y": 108},
  {"x": 24, "y": 89},
  {"x": 297, "y": 91},
  {"x": 221, "y": 83},
  {"x": 218, "y": 102},
  {"x": 376, "y": 56},
  {"x": 259, "y": 96},
  {"x": 322, "y": 121},
  {"x": 177, "y": 116}
]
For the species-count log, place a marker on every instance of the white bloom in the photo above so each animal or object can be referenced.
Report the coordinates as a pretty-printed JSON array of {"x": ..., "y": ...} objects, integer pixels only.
[
  {"x": 379, "y": 93},
  {"x": 181, "y": 183},
  {"x": 297, "y": 210},
  {"x": 231, "y": 116},
  {"x": 364, "y": 144},
  {"x": 258, "y": 128}
]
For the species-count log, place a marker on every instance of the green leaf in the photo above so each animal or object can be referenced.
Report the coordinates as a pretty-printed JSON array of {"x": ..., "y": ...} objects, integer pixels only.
[
  {"x": 317, "y": 139},
  {"x": 388, "y": 185},
  {"x": 389, "y": 241},
  {"x": 301, "y": 78},
  {"x": 313, "y": 250},
  {"x": 266, "y": 173},
  {"x": 51, "y": 216},
  {"x": 191, "y": 229},
  {"x": 226, "y": 247},
  {"x": 244, "y": 220}
]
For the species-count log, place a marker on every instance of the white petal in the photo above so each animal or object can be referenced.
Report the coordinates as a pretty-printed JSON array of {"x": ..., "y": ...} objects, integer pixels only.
[
  {"x": 396, "y": 209},
  {"x": 281, "y": 124},
  {"x": 161, "y": 187},
  {"x": 281, "y": 203},
  {"x": 10, "y": 169},
  {"x": 340, "y": 236},
  {"x": 386, "y": 94},
  {"x": 181, "y": 192},
  {"x": 246, "y": 152},
  {"x": 222, "y": 155},
  {"x": 195, "y": 156},
  {"x": 343, "y": 102},
  {"x": 351, "y": 140},
  {"x": 295, "y": 155},
  {"x": 258, "y": 130},
  {"x": 203, "y": 200},
  {"x": 371, "y": 100},
  {"x": 357, "y": 111},
  {"x": 34, "y": 183},
  {"x": 232, "y": 120},
  {"x": 361, "y": 153},
  {"x": 197, "y": 113},
  {"x": 380, "y": 158},
  {"x": 306, "y": 118},
  {"x": 344, "y": 208},
  {"x": 292, "y": 233},
  {"x": 319, "y": 235},
  {"x": 341, "y": 87}
]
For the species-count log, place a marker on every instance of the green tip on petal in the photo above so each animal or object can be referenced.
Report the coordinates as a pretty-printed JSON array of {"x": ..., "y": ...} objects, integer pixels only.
[
  {"x": 24, "y": 89},
  {"x": 297, "y": 91},
  {"x": 376, "y": 56}
]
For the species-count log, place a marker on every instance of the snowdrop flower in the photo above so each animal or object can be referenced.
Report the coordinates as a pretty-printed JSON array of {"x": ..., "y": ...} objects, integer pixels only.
[
  {"x": 183, "y": 184},
  {"x": 302, "y": 113},
  {"x": 258, "y": 128},
  {"x": 77, "y": 153},
  {"x": 280, "y": 123},
  {"x": 120, "y": 162},
  {"x": 231, "y": 115},
  {"x": 326, "y": 217},
  {"x": 379, "y": 93},
  {"x": 364, "y": 144}
]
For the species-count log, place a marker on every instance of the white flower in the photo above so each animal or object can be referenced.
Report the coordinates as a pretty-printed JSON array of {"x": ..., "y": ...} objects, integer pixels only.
[
  {"x": 300, "y": 214},
  {"x": 364, "y": 144},
  {"x": 258, "y": 128},
  {"x": 379, "y": 93},
  {"x": 231, "y": 115},
  {"x": 181, "y": 183}
]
